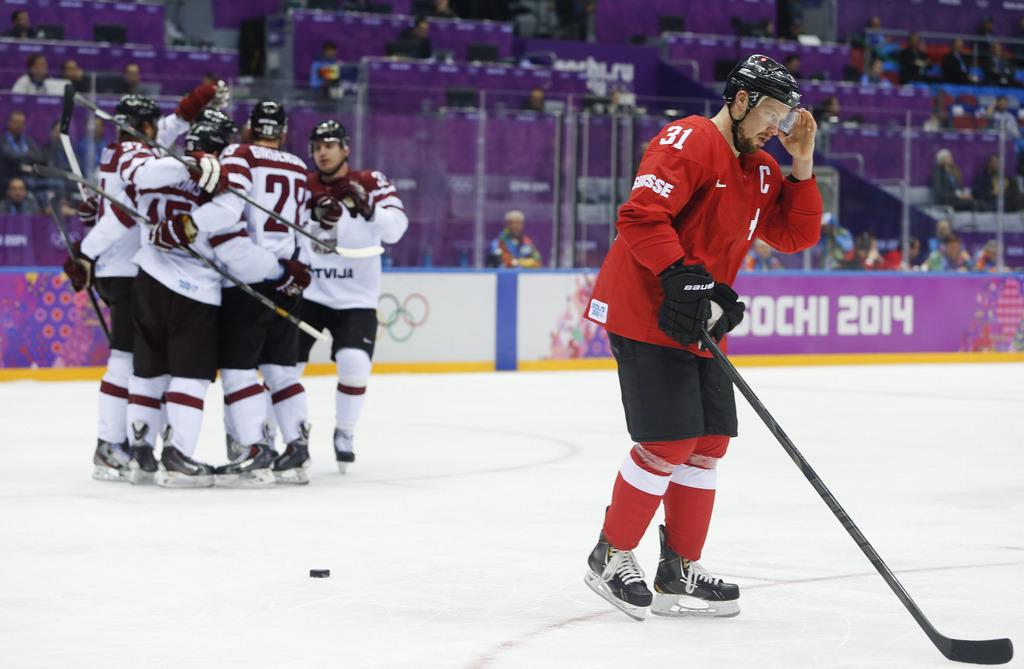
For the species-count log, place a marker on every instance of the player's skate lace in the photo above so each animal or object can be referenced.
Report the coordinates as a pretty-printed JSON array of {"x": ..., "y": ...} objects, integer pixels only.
[
  {"x": 623, "y": 564},
  {"x": 695, "y": 573}
]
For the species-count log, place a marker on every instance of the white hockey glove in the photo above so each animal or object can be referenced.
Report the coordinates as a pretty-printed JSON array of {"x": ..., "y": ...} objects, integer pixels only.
[{"x": 210, "y": 178}]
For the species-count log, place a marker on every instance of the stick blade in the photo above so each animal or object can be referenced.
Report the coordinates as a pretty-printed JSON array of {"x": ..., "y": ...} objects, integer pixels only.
[
  {"x": 989, "y": 651},
  {"x": 67, "y": 110}
]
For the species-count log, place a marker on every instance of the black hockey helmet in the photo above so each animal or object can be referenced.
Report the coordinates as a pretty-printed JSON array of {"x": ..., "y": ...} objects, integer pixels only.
[
  {"x": 268, "y": 120},
  {"x": 328, "y": 131},
  {"x": 211, "y": 132},
  {"x": 760, "y": 75},
  {"x": 133, "y": 109}
]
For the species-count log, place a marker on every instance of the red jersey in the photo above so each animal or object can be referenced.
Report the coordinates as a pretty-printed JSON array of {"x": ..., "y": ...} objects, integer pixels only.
[{"x": 693, "y": 199}]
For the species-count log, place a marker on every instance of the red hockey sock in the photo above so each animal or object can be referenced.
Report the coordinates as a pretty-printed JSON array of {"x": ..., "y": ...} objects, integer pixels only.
[
  {"x": 639, "y": 487},
  {"x": 690, "y": 498}
]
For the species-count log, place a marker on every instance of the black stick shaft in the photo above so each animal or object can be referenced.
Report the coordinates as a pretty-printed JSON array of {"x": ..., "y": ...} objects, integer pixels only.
[
  {"x": 995, "y": 651},
  {"x": 88, "y": 289}
]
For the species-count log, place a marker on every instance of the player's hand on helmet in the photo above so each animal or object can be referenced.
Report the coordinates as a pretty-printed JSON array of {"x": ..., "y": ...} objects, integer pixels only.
[
  {"x": 800, "y": 140},
  {"x": 726, "y": 311},
  {"x": 295, "y": 279},
  {"x": 221, "y": 96},
  {"x": 326, "y": 210},
  {"x": 211, "y": 178},
  {"x": 686, "y": 306},
  {"x": 193, "y": 102},
  {"x": 87, "y": 210},
  {"x": 79, "y": 268},
  {"x": 171, "y": 233},
  {"x": 354, "y": 197}
]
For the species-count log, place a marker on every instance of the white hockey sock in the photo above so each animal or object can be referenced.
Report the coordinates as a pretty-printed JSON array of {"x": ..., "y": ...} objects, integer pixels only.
[
  {"x": 353, "y": 375},
  {"x": 114, "y": 397},
  {"x": 185, "y": 412},
  {"x": 146, "y": 406},
  {"x": 245, "y": 407},
  {"x": 288, "y": 398}
]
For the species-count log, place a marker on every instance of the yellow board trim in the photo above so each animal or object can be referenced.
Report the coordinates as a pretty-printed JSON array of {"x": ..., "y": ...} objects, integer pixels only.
[
  {"x": 795, "y": 360},
  {"x": 577, "y": 364}
]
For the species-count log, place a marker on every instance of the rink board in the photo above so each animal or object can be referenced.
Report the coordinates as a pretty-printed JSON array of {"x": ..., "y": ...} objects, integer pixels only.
[{"x": 465, "y": 320}]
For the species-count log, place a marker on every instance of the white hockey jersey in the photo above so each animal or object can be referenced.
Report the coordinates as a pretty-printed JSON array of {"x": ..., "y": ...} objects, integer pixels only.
[
  {"x": 115, "y": 239},
  {"x": 354, "y": 283},
  {"x": 277, "y": 181},
  {"x": 164, "y": 190}
]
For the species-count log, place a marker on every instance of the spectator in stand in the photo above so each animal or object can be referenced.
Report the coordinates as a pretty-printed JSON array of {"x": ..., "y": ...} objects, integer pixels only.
[
  {"x": 535, "y": 100},
  {"x": 36, "y": 80},
  {"x": 998, "y": 68},
  {"x": 419, "y": 32},
  {"x": 986, "y": 34},
  {"x": 836, "y": 245},
  {"x": 943, "y": 229},
  {"x": 933, "y": 123},
  {"x": 71, "y": 72},
  {"x": 874, "y": 75},
  {"x": 21, "y": 27},
  {"x": 913, "y": 60},
  {"x": 792, "y": 63},
  {"x": 18, "y": 200},
  {"x": 18, "y": 152},
  {"x": 442, "y": 10},
  {"x": 325, "y": 73},
  {"x": 951, "y": 257},
  {"x": 947, "y": 183},
  {"x": 512, "y": 248},
  {"x": 988, "y": 184},
  {"x": 875, "y": 44},
  {"x": 1000, "y": 115},
  {"x": 761, "y": 258},
  {"x": 955, "y": 69},
  {"x": 865, "y": 253},
  {"x": 893, "y": 260},
  {"x": 131, "y": 79},
  {"x": 987, "y": 257},
  {"x": 90, "y": 148},
  {"x": 827, "y": 111}
]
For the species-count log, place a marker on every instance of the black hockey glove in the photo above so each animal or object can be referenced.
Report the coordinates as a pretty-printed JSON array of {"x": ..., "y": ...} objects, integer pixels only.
[
  {"x": 354, "y": 197},
  {"x": 686, "y": 306},
  {"x": 326, "y": 210},
  {"x": 79, "y": 268},
  {"x": 87, "y": 210},
  {"x": 726, "y": 311}
]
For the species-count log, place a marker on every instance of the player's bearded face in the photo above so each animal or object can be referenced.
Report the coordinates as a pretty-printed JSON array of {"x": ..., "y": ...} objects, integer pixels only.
[
  {"x": 760, "y": 125},
  {"x": 329, "y": 156}
]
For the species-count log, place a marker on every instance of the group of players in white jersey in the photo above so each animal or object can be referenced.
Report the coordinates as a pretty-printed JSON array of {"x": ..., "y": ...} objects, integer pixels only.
[{"x": 172, "y": 238}]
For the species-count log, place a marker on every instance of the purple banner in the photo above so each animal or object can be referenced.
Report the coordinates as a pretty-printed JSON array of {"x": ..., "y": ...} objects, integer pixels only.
[
  {"x": 620, "y": 21},
  {"x": 34, "y": 240},
  {"x": 879, "y": 313},
  {"x": 144, "y": 22},
  {"x": 630, "y": 69},
  {"x": 44, "y": 324}
]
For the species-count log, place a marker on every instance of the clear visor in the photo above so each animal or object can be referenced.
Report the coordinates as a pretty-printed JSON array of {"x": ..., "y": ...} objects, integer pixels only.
[{"x": 783, "y": 120}]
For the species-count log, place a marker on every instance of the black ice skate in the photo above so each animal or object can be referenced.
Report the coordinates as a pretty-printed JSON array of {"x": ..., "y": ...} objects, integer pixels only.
[
  {"x": 110, "y": 461},
  {"x": 253, "y": 470},
  {"x": 235, "y": 449},
  {"x": 616, "y": 577},
  {"x": 344, "y": 451},
  {"x": 177, "y": 470},
  {"x": 684, "y": 588},
  {"x": 142, "y": 464},
  {"x": 293, "y": 465}
]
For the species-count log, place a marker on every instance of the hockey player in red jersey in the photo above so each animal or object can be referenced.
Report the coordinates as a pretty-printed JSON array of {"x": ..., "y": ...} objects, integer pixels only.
[
  {"x": 351, "y": 208},
  {"x": 704, "y": 190}
]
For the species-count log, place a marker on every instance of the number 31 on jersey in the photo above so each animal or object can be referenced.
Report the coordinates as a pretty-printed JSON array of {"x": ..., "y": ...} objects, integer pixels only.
[{"x": 675, "y": 136}]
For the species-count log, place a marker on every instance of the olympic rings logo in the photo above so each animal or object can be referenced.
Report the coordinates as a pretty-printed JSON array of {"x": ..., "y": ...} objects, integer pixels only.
[{"x": 400, "y": 318}]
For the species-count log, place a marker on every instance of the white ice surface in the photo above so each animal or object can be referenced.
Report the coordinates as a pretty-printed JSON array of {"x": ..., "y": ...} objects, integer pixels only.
[{"x": 460, "y": 537}]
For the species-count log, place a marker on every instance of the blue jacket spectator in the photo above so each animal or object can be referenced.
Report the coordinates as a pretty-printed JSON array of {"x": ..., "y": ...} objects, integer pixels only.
[
  {"x": 512, "y": 248},
  {"x": 325, "y": 72}
]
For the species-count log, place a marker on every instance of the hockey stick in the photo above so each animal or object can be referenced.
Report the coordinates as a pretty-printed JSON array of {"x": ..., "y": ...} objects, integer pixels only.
[
  {"x": 364, "y": 252},
  {"x": 990, "y": 651},
  {"x": 88, "y": 289},
  {"x": 65, "y": 141},
  {"x": 263, "y": 299}
]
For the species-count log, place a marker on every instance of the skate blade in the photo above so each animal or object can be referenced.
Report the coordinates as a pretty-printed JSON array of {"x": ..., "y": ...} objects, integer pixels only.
[
  {"x": 104, "y": 473},
  {"x": 137, "y": 476},
  {"x": 294, "y": 476},
  {"x": 257, "y": 478},
  {"x": 597, "y": 584},
  {"x": 166, "y": 479},
  {"x": 681, "y": 606},
  {"x": 343, "y": 467}
]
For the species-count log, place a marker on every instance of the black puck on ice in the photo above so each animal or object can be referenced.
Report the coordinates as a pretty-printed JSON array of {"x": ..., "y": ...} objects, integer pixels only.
[{"x": 319, "y": 573}]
